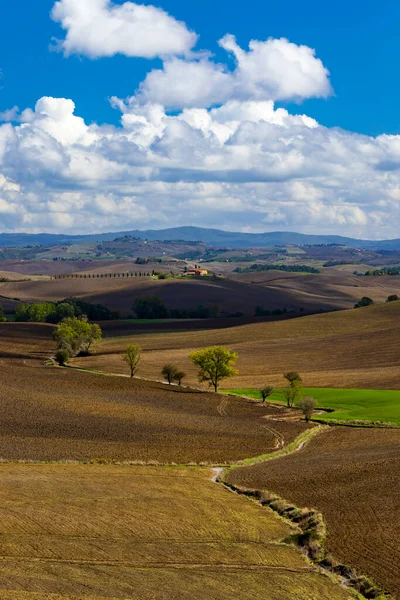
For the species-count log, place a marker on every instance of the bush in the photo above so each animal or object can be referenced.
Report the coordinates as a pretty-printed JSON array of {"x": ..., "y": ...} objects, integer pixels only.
[
  {"x": 393, "y": 298},
  {"x": 62, "y": 357},
  {"x": 365, "y": 301}
]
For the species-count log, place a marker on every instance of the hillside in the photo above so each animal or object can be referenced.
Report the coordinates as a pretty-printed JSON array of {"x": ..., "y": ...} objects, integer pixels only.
[
  {"x": 240, "y": 293},
  {"x": 214, "y": 237},
  {"x": 355, "y": 348}
]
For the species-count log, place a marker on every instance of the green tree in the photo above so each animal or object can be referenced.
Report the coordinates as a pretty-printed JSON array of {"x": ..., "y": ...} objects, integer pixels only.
[
  {"x": 169, "y": 373},
  {"x": 292, "y": 394},
  {"x": 150, "y": 308},
  {"x": 393, "y": 298},
  {"x": 292, "y": 377},
  {"x": 2, "y": 316},
  {"x": 76, "y": 335},
  {"x": 365, "y": 301},
  {"x": 307, "y": 405},
  {"x": 266, "y": 392},
  {"x": 294, "y": 390},
  {"x": 215, "y": 364},
  {"x": 179, "y": 375},
  {"x": 132, "y": 357},
  {"x": 34, "y": 313}
]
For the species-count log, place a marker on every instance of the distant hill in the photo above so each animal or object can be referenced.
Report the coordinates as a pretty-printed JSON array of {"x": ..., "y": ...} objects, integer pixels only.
[{"x": 213, "y": 237}]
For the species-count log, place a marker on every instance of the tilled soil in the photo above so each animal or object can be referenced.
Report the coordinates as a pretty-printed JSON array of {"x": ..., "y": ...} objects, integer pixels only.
[
  {"x": 49, "y": 413},
  {"x": 353, "y": 477}
]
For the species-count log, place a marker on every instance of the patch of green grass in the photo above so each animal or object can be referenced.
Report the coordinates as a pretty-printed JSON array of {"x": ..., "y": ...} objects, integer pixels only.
[{"x": 348, "y": 405}]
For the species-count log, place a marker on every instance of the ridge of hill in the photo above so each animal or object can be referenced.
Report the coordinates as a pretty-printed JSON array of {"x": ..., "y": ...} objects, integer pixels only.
[
  {"x": 213, "y": 237},
  {"x": 356, "y": 348}
]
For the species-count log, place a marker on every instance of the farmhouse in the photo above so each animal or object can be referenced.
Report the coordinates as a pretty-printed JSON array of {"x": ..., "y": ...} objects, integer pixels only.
[{"x": 196, "y": 272}]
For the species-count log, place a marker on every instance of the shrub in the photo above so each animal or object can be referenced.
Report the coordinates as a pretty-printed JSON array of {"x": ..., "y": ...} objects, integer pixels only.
[
  {"x": 62, "y": 357},
  {"x": 393, "y": 298},
  {"x": 365, "y": 301}
]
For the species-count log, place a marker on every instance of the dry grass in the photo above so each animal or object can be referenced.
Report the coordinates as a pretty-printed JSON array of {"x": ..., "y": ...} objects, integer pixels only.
[
  {"x": 99, "y": 532},
  {"x": 352, "y": 477},
  {"x": 355, "y": 349}
]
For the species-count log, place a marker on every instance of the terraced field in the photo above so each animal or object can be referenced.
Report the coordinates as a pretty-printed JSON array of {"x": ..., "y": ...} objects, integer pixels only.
[
  {"x": 353, "y": 477},
  {"x": 96, "y": 532},
  {"x": 353, "y": 349}
]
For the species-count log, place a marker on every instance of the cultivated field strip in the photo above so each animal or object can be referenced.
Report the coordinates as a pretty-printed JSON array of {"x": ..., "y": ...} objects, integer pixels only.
[
  {"x": 353, "y": 477},
  {"x": 61, "y": 414},
  {"x": 96, "y": 532}
]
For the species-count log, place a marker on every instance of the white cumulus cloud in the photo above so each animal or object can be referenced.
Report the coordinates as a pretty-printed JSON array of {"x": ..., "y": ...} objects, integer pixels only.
[
  {"x": 244, "y": 165},
  {"x": 100, "y": 28},
  {"x": 275, "y": 69}
]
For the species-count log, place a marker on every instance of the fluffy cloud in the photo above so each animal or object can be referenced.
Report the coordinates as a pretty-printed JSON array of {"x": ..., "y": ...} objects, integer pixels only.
[
  {"x": 226, "y": 157},
  {"x": 99, "y": 28},
  {"x": 272, "y": 70},
  {"x": 243, "y": 165}
]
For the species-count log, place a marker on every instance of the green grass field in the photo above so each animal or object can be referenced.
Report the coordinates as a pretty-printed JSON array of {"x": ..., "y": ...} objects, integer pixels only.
[{"x": 348, "y": 405}]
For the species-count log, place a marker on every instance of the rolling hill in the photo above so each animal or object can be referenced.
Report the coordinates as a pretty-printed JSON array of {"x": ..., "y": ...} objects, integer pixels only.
[
  {"x": 213, "y": 237},
  {"x": 354, "y": 348}
]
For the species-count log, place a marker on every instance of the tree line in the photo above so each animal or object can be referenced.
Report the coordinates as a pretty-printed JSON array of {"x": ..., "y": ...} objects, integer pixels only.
[
  {"x": 102, "y": 275},
  {"x": 55, "y": 312}
]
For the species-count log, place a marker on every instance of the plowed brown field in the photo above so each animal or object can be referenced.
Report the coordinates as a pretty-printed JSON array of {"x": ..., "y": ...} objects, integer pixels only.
[
  {"x": 354, "y": 349},
  {"x": 353, "y": 477},
  {"x": 50, "y": 413},
  {"x": 70, "y": 532}
]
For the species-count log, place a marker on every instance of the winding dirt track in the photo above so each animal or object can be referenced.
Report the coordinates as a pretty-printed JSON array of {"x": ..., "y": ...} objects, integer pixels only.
[{"x": 353, "y": 477}]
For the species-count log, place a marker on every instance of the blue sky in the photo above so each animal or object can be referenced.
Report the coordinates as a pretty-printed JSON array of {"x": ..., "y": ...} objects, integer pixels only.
[
  {"x": 250, "y": 116},
  {"x": 357, "y": 40}
]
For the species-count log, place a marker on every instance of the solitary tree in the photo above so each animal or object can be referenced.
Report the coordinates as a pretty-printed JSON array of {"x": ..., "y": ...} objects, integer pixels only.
[
  {"x": 266, "y": 392},
  {"x": 179, "y": 375},
  {"x": 307, "y": 405},
  {"x": 215, "y": 364},
  {"x": 132, "y": 357},
  {"x": 392, "y": 298},
  {"x": 169, "y": 373}
]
